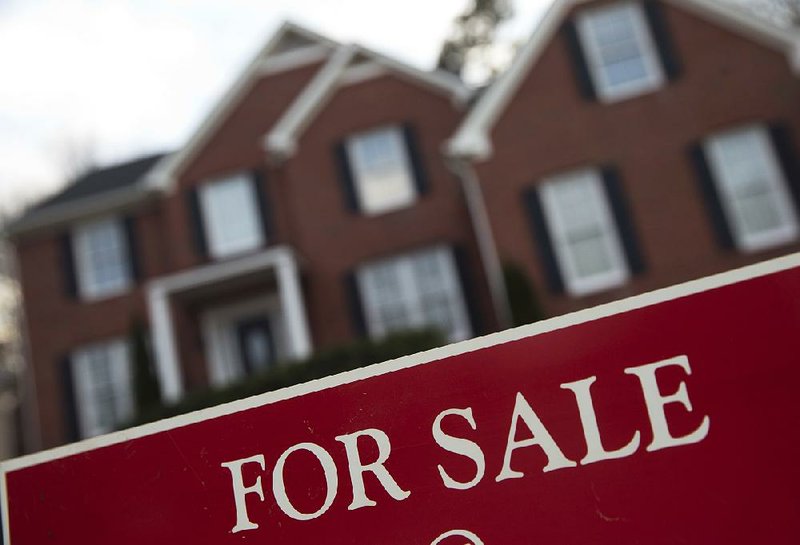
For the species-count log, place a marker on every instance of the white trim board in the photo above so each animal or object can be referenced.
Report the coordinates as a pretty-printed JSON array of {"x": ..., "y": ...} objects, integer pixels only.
[
  {"x": 583, "y": 316},
  {"x": 472, "y": 138},
  {"x": 171, "y": 170},
  {"x": 340, "y": 70}
]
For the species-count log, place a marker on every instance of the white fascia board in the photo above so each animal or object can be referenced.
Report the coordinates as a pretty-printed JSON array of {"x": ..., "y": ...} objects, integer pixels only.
[
  {"x": 281, "y": 141},
  {"x": 472, "y": 138},
  {"x": 795, "y": 60},
  {"x": 744, "y": 22},
  {"x": 235, "y": 94},
  {"x": 218, "y": 272},
  {"x": 361, "y": 73},
  {"x": 437, "y": 79},
  {"x": 290, "y": 60},
  {"x": 79, "y": 209}
]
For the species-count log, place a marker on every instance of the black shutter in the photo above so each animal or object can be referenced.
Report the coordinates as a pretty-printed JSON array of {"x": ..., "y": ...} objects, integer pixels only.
[
  {"x": 196, "y": 219},
  {"x": 789, "y": 157},
  {"x": 543, "y": 241},
  {"x": 583, "y": 77},
  {"x": 355, "y": 303},
  {"x": 70, "y": 406},
  {"x": 68, "y": 270},
  {"x": 622, "y": 216},
  {"x": 711, "y": 196},
  {"x": 659, "y": 29},
  {"x": 469, "y": 289},
  {"x": 416, "y": 159},
  {"x": 345, "y": 172},
  {"x": 131, "y": 239},
  {"x": 264, "y": 209}
]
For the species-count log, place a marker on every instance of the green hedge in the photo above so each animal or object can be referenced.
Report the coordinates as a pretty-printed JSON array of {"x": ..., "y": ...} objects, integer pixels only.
[
  {"x": 525, "y": 306},
  {"x": 322, "y": 364}
]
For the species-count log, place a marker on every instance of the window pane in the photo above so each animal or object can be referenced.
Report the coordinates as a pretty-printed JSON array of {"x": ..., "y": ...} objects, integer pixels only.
[
  {"x": 104, "y": 395},
  {"x": 620, "y": 50},
  {"x": 753, "y": 189},
  {"x": 389, "y": 299},
  {"x": 437, "y": 297},
  {"x": 381, "y": 170},
  {"x": 102, "y": 258},
  {"x": 412, "y": 291},
  {"x": 231, "y": 216},
  {"x": 584, "y": 234}
]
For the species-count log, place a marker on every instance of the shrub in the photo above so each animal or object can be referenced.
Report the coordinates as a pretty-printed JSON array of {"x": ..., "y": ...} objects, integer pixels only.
[
  {"x": 525, "y": 307},
  {"x": 324, "y": 363}
]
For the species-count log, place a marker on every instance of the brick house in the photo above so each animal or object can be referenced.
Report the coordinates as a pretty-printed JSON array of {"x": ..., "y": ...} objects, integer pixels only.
[{"x": 335, "y": 193}]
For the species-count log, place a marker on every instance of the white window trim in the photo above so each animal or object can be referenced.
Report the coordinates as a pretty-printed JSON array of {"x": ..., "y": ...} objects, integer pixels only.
[
  {"x": 215, "y": 246},
  {"x": 88, "y": 289},
  {"x": 359, "y": 181},
  {"x": 607, "y": 92},
  {"x": 775, "y": 178},
  {"x": 224, "y": 362},
  {"x": 404, "y": 267},
  {"x": 122, "y": 372},
  {"x": 574, "y": 284}
]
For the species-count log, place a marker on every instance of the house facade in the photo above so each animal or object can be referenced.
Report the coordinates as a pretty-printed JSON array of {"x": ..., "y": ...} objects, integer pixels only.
[{"x": 336, "y": 193}]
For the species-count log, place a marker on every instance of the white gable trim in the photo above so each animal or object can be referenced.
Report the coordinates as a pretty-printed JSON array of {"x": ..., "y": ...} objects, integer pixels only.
[
  {"x": 472, "y": 139},
  {"x": 296, "y": 58},
  {"x": 165, "y": 175},
  {"x": 362, "y": 72},
  {"x": 281, "y": 141}
]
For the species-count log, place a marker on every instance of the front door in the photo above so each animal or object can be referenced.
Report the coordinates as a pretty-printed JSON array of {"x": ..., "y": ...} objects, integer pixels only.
[{"x": 255, "y": 344}]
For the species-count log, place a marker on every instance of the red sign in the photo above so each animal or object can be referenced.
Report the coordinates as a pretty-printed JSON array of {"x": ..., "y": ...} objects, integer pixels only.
[{"x": 670, "y": 417}]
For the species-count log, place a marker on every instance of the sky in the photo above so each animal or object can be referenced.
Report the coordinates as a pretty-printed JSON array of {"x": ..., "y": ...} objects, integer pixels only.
[{"x": 108, "y": 80}]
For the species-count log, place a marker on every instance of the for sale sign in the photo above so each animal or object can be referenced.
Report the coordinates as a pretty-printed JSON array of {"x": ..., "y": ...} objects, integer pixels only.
[{"x": 665, "y": 418}]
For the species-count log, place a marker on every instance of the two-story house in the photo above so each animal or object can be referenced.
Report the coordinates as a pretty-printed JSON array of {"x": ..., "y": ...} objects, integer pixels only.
[{"x": 335, "y": 193}]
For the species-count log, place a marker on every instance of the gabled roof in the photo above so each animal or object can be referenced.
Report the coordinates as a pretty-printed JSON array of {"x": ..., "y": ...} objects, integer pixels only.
[
  {"x": 472, "y": 139},
  {"x": 290, "y": 47},
  {"x": 97, "y": 190},
  {"x": 360, "y": 62}
]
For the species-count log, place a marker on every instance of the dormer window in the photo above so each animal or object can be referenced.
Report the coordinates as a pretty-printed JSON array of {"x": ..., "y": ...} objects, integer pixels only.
[
  {"x": 621, "y": 55},
  {"x": 231, "y": 216}
]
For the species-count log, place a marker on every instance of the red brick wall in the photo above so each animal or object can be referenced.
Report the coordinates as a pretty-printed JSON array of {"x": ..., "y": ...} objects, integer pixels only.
[
  {"x": 57, "y": 323},
  {"x": 548, "y": 128},
  {"x": 235, "y": 146},
  {"x": 338, "y": 240}
]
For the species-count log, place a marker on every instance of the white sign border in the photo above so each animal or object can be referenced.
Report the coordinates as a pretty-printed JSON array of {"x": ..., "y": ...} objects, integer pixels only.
[{"x": 635, "y": 302}]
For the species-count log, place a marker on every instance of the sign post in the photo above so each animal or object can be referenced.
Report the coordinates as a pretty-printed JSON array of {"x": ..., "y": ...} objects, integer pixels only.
[{"x": 669, "y": 417}]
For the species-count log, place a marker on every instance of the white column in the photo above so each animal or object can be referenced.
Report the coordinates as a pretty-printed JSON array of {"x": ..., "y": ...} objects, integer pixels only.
[
  {"x": 293, "y": 307},
  {"x": 163, "y": 332}
]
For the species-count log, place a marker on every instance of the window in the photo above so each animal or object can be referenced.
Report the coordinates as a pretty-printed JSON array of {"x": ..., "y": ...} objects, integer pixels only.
[
  {"x": 584, "y": 235},
  {"x": 102, "y": 259},
  {"x": 622, "y": 57},
  {"x": 231, "y": 216},
  {"x": 381, "y": 168},
  {"x": 101, "y": 375},
  {"x": 752, "y": 189},
  {"x": 415, "y": 290}
]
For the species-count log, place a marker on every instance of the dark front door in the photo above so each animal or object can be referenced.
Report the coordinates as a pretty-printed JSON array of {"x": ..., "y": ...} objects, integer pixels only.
[{"x": 256, "y": 348}]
